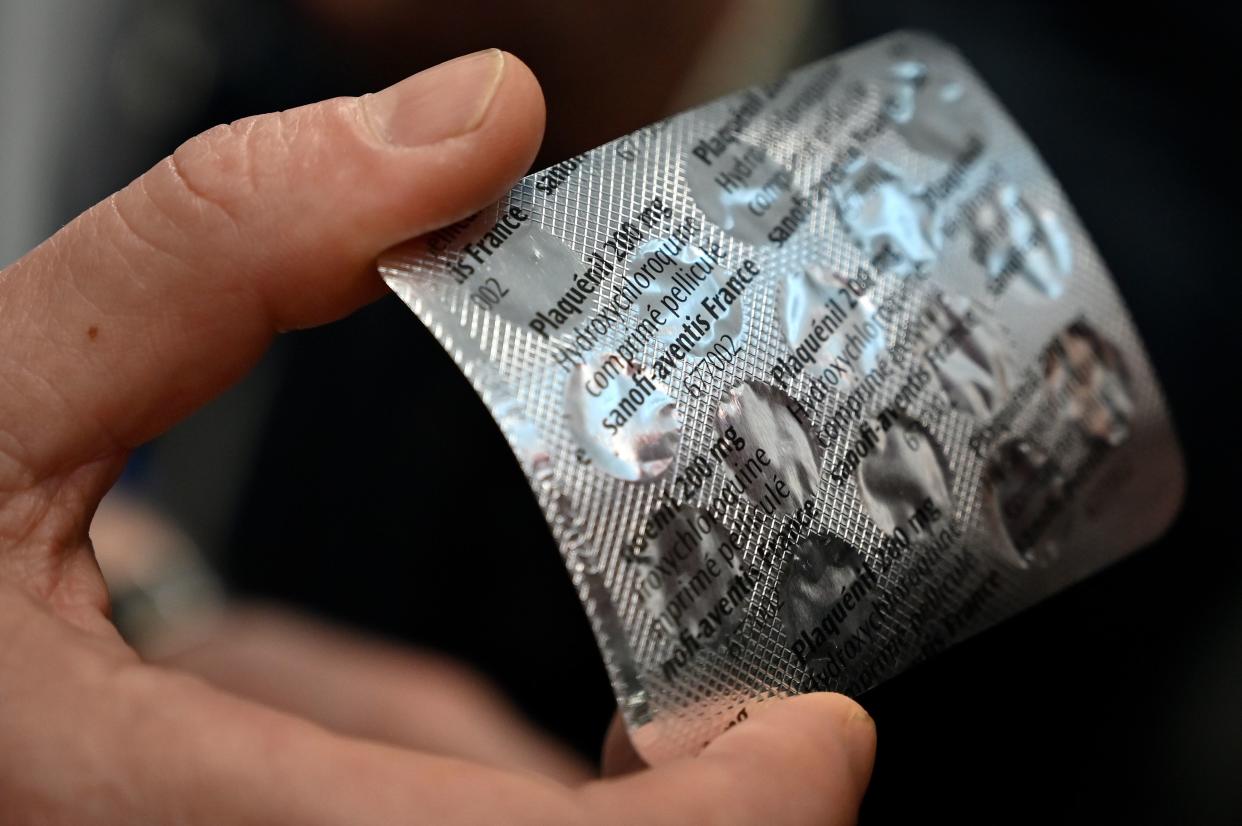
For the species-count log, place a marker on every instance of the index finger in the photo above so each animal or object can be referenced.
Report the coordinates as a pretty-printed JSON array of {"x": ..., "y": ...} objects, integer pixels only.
[{"x": 795, "y": 762}]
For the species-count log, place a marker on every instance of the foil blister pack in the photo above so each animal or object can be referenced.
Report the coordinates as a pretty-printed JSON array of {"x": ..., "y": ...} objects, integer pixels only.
[{"x": 810, "y": 382}]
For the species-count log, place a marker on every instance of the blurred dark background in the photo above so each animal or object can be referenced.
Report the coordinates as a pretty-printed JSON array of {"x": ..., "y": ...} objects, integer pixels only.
[{"x": 1119, "y": 699}]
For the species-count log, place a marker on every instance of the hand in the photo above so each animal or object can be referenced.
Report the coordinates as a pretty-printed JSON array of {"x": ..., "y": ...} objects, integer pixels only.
[{"x": 138, "y": 312}]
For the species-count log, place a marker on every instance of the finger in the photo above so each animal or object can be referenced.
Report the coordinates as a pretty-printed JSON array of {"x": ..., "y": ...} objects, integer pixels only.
[
  {"x": 805, "y": 760},
  {"x": 92, "y": 736},
  {"x": 243, "y": 763},
  {"x": 106, "y": 740},
  {"x": 364, "y": 688},
  {"x": 161, "y": 295},
  {"x": 618, "y": 756}
]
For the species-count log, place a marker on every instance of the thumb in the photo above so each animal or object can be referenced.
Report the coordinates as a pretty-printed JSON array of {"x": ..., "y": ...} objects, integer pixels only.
[{"x": 158, "y": 297}]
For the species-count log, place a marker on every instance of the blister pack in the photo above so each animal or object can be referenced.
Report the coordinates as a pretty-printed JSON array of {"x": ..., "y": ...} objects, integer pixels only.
[{"x": 810, "y": 382}]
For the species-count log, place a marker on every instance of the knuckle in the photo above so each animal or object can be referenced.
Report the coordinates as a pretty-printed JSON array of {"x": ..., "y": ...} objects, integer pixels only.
[
  {"x": 240, "y": 168},
  {"x": 215, "y": 169}
]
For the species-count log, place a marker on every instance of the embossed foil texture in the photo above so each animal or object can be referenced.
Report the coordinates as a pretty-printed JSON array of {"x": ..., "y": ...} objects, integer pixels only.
[{"x": 810, "y": 382}]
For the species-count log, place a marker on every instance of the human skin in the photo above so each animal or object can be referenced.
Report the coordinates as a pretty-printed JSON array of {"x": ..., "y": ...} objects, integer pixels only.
[{"x": 137, "y": 313}]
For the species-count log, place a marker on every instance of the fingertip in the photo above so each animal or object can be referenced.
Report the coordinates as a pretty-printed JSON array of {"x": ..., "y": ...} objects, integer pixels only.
[
  {"x": 435, "y": 185},
  {"x": 525, "y": 85},
  {"x": 836, "y": 717},
  {"x": 800, "y": 760},
  {"x": 826, "y": 730},
  {"x": 518, "y": 113},
  {"x": 817, "y": 711},
  {"x": 388, "y": 189},
  {"x": 857, "y": 729}
]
